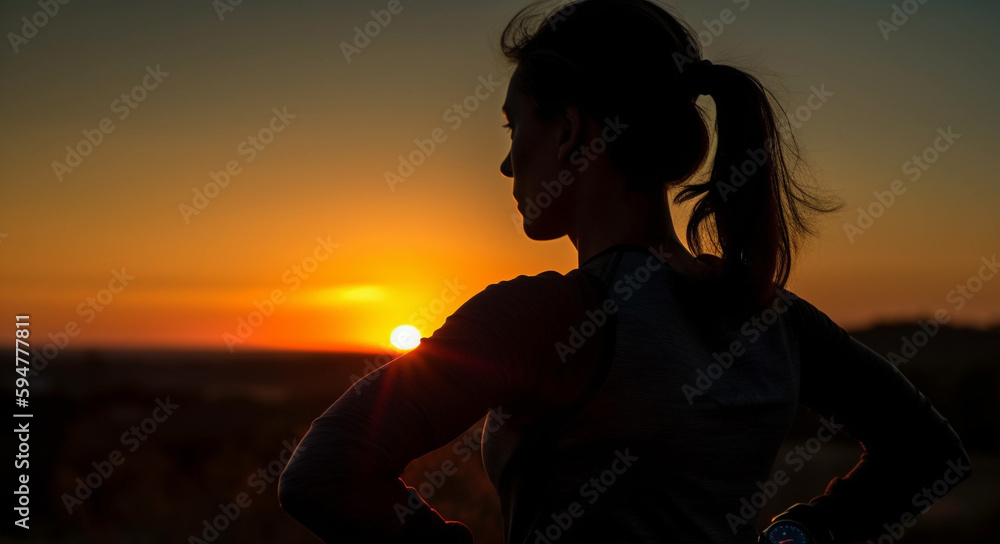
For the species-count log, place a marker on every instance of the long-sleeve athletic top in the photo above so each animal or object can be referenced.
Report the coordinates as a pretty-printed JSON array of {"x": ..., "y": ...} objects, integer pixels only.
[{"x": 677, "y": 445}]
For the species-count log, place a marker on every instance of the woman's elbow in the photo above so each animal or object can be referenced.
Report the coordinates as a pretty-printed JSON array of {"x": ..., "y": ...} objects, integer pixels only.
[
  {"x": 310, "y": 506},
  {"x": 307, "y": 477},
  {"x": 958, "y": 465},
  {"x": 292, "y": 496},
  {"x": 302, "y": 485}
]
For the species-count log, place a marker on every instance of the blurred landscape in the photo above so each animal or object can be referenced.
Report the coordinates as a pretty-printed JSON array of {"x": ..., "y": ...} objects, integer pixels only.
[{"x": 237, "y": 412}]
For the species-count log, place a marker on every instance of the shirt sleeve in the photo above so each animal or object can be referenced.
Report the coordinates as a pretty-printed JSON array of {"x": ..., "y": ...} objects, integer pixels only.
[
  {"x": 343, "y": 480},
  {"x": 911, "y": 454}
]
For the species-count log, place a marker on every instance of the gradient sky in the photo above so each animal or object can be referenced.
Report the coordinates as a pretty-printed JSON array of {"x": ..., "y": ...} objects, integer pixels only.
[{"x": 446, "y": 232}]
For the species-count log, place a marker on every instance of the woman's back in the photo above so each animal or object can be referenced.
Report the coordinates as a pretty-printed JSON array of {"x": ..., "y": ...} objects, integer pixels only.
[
  {"x": 697, "y": 409},
  {"x": 678, "y": 443}
]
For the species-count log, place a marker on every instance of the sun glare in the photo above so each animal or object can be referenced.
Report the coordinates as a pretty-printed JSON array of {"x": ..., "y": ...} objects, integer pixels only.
[{"x": 405, "y": 337}]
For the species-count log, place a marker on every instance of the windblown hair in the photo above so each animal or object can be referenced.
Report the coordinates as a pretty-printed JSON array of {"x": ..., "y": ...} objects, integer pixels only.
[{"x": 632, "y": 60}]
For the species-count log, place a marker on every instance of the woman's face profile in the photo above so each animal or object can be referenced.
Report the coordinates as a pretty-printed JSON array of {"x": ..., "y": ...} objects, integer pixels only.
[{"x": 534, "y": 163}]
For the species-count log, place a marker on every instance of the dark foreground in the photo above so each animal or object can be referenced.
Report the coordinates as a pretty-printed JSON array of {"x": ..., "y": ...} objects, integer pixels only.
[{"x": 206, "y": 471}]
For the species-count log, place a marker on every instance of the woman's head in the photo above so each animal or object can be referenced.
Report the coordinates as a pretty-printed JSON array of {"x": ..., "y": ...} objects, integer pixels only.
[{"x": 589, "y": 64}]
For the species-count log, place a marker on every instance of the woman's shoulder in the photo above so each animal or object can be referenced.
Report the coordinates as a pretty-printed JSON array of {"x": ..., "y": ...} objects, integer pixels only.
[
  {"x": 545, "y": 288},
  {"x": 539, "y": 305},
  {"x": 525, "y": 281},
  {"x": 808, "y": 323},
  {"x": 517, "y": 318}
]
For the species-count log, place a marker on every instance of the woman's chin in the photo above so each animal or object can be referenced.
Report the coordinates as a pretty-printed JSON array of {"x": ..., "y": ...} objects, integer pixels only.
[{"x": 538, "y": 232}]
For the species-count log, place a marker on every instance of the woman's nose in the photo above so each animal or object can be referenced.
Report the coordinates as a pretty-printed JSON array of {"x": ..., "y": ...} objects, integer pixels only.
[{"x": 505, "y": 167}]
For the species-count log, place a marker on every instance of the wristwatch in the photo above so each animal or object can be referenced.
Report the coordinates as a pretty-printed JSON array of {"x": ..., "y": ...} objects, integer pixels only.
[
  {"x": 786, "y": 532},
  {"x": 800, "y": 524}
]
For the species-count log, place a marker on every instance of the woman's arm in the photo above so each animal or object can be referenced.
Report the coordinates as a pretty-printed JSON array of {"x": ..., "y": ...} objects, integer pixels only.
[
  {"x": 343, "y": 480},
  {"x": 912, "y": 455}
]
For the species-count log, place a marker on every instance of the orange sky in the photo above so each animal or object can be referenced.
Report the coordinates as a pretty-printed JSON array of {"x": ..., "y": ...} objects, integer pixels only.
[{"x": 201, "y": 87}]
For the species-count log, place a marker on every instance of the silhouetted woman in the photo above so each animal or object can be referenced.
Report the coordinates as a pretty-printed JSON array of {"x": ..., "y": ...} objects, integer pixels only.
[{"x": 642, "y": 397}]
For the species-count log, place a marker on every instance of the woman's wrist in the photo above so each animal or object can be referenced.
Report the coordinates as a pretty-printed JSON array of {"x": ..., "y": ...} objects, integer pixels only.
[
  {"x": 801, "y": 524},
  {"x": 424, "y": 524}
]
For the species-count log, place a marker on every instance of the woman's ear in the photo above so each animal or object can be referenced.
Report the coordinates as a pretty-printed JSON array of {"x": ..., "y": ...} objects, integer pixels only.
[{"x": 570, "y": 131}]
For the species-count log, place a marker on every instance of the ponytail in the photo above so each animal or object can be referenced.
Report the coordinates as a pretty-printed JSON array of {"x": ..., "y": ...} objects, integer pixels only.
[{"x": 757, "y": 209}]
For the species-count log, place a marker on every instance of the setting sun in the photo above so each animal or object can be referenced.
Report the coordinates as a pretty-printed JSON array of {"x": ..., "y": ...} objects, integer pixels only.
[{"x": 405, "y": 337}]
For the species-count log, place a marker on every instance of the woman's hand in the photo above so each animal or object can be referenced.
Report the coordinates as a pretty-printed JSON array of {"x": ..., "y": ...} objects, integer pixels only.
[
  {"x": 429, "y": 529},
  {"x": 457, "y": 533}
]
